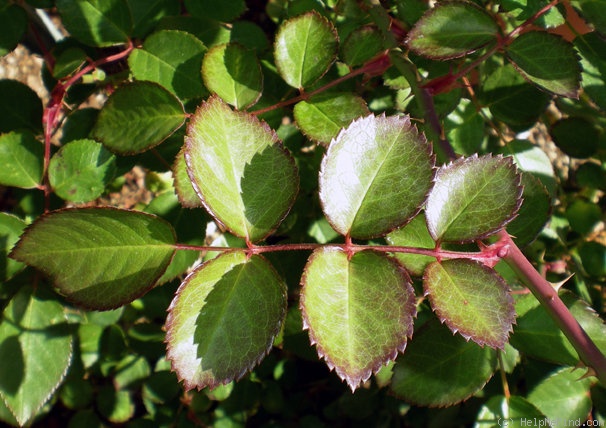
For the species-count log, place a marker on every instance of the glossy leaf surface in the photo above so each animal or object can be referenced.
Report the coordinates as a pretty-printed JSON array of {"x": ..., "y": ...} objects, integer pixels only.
[
  {"x": 99, "y": 258},
  {"x": 452, "y": 29},
  {"x": 182, "y": 183},
  {"x": 592, "y": 49},
  {"x": 305, "y": 48},
  {"x": 224, "y": 319},
  {"x": 547, "y": 61},
  {"x": 137, "y": 117},
  {"x": 11, "y": 228},
  {"x": 32, "y": 325},
  {"x": 513, "y": 411},
  {"x": 237, "y": 165},
  {"x": 361, "y": 45},
  {"x": 375, "y": 176},
  {"x": 177, "y": 70},
  {"x": 339, "y": 301},
  {"x": 472, "y": 299},
  {"x": 22, "y": 156},
  {"x": 233, "y": 73},
  {"x": 462, "y": 207},
  {"x": 441, "y": 369}
]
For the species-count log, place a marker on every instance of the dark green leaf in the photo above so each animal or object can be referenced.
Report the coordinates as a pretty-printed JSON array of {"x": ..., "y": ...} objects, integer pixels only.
[
  {"x": 32, "y": 325},
  {"x": 361, "y": 45},
  {"x": 439, "y": 369},
  {"x": 548, "y": 61},
  {"x": 462, "y": 206},
  {"x": 233, "y": 73},
  {"x": 534, "y": 212},
  {"x": 68, "y": 61},
  {"x": 575, "y": 136},
  {"x": 224, "y": 319},
  {"x": 99, "y": 258},
  {"x": 472, "y": 299},
  {"x": 20, "y": 107},
  {"x": 22, "y": 156},
  {"x": 137, "y": 117},
  {"x": 592, "y": 49},
  {"x": 80, "y": 170},
  {"x": 11, "y": 228},
  {"x": 177, "y": 70},
  {"x": 323, "y": 116},
  {"x": 237, "y": 165},
  {"x": 414, "y": 234},
  {"x": 146, "y": 14},
  {"x": 452, "y": 29},
  {"x": 355, "y": 335},
  {"x": 464, "y": 128},
  {"x": 593, "y": 257},
  {"x": 513, "y": 411},
  {"x": 375, "y": 176},
  {"x": 97, "y": 22},
  {"x": 13, "y": 21},
  {"x": 221, "y": 11},
  {"x": 305, "y": 48}
]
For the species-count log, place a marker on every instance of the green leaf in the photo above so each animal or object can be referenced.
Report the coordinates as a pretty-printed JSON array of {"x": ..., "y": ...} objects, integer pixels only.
[
  {"x": 20, "y": 107},
  {"x": 22, "y": 156},
  {"x": 240, "y": 170},
  {"x": 221, "y": 11},
  {"x": 532, "y": 159},
  {"x": 361, "y": 45},
  {"x": 137, "y": 117},
  {"x": 473, "y": 198},
  {"x": 11, "y": 228},
  {"x": 80, "y": 170},
  {"x": 305, "y": 48},
  {"x": 68, "y": 61},
  {"x": 177, "y": 70},
  {"x": 96, "y": 22},
  {"x": 146, "y": 14},
  {"x": 355, "y": 335},
  {"x": 464, "y": 128},
  {"x": 233, "y": 73},
  {"x": 592, "y": 49},
  {"x": 183, "y": 187},
  {"x": 536, "y": 334},
  {"x": 548, "y": 61},
  {"x": 534, "y": 212},
  {"x": 33, "y": 325},
  {"x": 451, "y": 30},
  {"x": 512, "y": 411},
  {"x": 375, "y": 176},
  {"x": 13, "y": 21},
  {"x": 441, "y": 369},
  {"x": 563, "y": 395},
  {"x": 593, "y": 11},
  {"x": 224, "y": 319},
  {"x": 414, "y": 234},
  {"x": 321, "y": 117},
  {"x": 575, "y": 136},
  {"x": 99, "y": 258},
  {"x": 472, "y": 299}
]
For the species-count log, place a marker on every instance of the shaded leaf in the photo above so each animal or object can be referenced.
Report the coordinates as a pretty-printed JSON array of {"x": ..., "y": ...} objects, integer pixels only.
[
  {"x": 22, "y": 156},
  {"x": 361, "y": 45},
  {"x": 464, "y": 128},
  {"x": 11, "y": 228},
  {"x": 100, "y": 258},
  {"x": 32, "y": 325},
  {"x": 592, "y": 49},
  {"x": 441, "y": 369},
  {"x": 177, "y": 70},
  {"x": 137, "y": 117},
  {"x": 452, "y": 29},
  {"x": 352, "y": 332},
  {"x": 221, "y": 11},
  {"x": 20, "y": 107},
  {"x": 233, "y": 73},
  {"x": 514, "y": 411},
  {"x": 534, "y": 212},
  {"x": 375, "y": 176},
  {"x": 323, "y": 116},
  {"x": 593, "y": 11},
  {"x": 13, "y": 21},
  {"x": 472, "y": 299},
  {"x": 414, "y": 234},
  {"x": 575, "y": 136},
  {"x": 548, "y": 61},
  {"x": 183, "y": 187},
  {"x": 146, "y": 14},
  {"x": 224, "y": 319},
  {"x": 237, "y": 164},
  {"x": 462, "y": 206},
  {"x": 305, "y": 48}
]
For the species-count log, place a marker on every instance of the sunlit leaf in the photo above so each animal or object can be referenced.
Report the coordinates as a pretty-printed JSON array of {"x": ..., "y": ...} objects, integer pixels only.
[
  {"x": 183, "y": 187},
  {"x": 22, "y": 156},
  {"x": 100, "y": 258},
  {"x": 532, "y": 159},
  {"x": 375, "y": 176},
  {"x": 592, "y": 49},
  {"x": 146, "y": 14},
  {"x": 462, "y": 205},
  {"x": 305, "y": 48},
  {"x": 414, "y": 234},
  {"x": 472, "y": 299},
  {"x": 340, "y": 303},
  {"x": 224, "y": 319},
  {"x": 513, "y": 411},
  {"x": 534, "y": 212},
  {"x": 361, "y": 45},
  {"x": 237, "y": 165},
  {"x": 452, "y": 29}
]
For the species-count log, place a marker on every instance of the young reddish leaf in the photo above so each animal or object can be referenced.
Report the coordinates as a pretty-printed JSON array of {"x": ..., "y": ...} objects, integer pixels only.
[
  {"x": 472, "y": 299},
  {"x": 594, "y": 11},
  {"x": 375, "y": 176},
  {"x": 22, "y": 156},
  {"x": 99, "y": 258},
  {"x": 473, "y": 198},
  {"x": 33, "y": 324},
  {"x": 305, "y": 48},
  {"x": 323, "y": 116},
  {"x": 440, "y": 369},
  {"x": 452, "y": 29},
  {"x": 233, "y": 73},
  {"x": 224, "y": 319},
  {"x": 548, "y": 61},
  {"x": 240, "y": 170},
  {"x": 137, "y": 117},
  {"x": 359, "y": 310}
]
